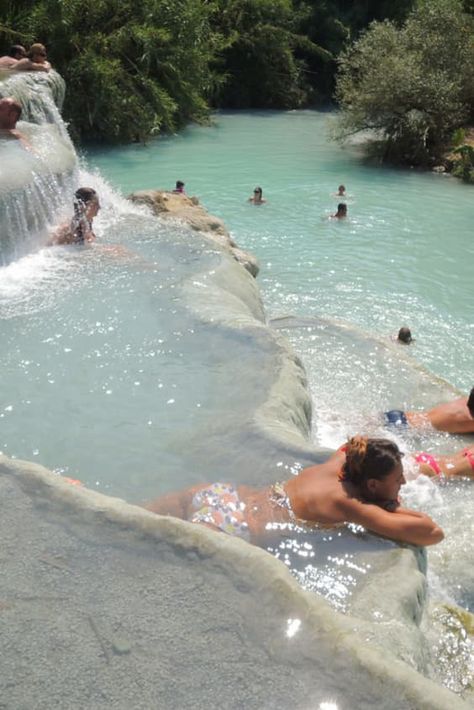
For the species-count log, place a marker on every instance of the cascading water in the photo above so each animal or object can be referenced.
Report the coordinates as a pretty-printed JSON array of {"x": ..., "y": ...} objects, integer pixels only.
[{"x": 35, "y": 182}]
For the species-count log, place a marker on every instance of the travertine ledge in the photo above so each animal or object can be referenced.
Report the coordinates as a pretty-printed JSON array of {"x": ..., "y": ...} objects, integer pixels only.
[{"x": 171, "y": 205}]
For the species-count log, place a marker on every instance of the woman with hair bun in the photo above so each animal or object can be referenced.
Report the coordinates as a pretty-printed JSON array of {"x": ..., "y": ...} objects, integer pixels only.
[{"x": 358, "y": 484}]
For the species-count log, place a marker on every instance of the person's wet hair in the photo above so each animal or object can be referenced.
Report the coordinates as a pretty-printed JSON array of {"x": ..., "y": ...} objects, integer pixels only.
[
  {"x": 258, "y": 191},
  {"x": 341, "y": 189},
  {"x": 86, "y": 194},
  {"x": 369, "y": 458},
  {"x": 341, "y": 209},
  {"x": 17, "y": 49},
  {"x": 470, "y": 402},
  {"x": 37, "y": 49},
  {"x": 404, "y": 335},
  {"x": 82, "y": 197},
  {"x": 179, "y": 184}
]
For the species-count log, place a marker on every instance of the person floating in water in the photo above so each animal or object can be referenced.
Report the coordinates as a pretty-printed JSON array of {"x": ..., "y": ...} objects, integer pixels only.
[
  {"x": 341, "y": 191},
  {"x": 79, "y": 230},
  {"x": 404, "y": 336},
  {"x": 341, "y": 211},
  {"x": 257, "y": 198},
  {"x": 179, "y": 189},
  {"x": 455, "y": 417},
  {"x": 360, "y": 483}
]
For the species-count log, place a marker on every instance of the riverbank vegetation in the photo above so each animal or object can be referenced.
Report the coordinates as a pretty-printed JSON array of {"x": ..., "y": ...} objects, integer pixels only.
[
  {"x": 413, "y": 85},
  {"x": 135, "y": 69}
]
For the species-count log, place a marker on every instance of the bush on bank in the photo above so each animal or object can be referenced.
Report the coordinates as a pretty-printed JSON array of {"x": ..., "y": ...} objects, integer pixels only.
[{"x": 413, "y": 85}]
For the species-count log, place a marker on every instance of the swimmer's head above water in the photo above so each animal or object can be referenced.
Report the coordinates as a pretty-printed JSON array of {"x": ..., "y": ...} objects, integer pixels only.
[
  {"x": 341, "y": 211},
  {"x": 404, "y": 336},
  {"x": 374, "y": 467},
  {"x": 341, "y": 190}
]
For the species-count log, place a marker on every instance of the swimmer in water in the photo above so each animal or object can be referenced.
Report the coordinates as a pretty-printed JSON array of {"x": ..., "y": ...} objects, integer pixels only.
[
  {"x": 257, "y": 198},
  {"x": 341, "y": 211},
  {"x": 360, "y": 483},
  {"x": 341, "y": 191},
  {"x": 79, "y": 230},
  {"x": 404, "y": 336}
]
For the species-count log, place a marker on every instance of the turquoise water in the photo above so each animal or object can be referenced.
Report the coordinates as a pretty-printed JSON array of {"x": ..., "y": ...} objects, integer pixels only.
[
  {"x": 118, "y": 371},
  {"x": 404, "y": 256}
]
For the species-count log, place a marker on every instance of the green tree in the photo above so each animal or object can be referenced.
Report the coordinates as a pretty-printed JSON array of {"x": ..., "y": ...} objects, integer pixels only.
[
  {"x": 131, "y": 68},
  {"x": 412, "y": 85},
  {"x": 258, "y": 58}
]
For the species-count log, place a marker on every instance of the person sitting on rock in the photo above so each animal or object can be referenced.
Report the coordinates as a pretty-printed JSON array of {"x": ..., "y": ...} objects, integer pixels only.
[
  {"x": 179, "y": 189},
  {"x": 10, "y": 60},
  {"x": 456, "y": 417}
]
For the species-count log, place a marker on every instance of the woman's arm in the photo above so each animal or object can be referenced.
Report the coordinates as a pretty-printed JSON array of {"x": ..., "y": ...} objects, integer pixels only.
[{"x": 403, "y": 525}]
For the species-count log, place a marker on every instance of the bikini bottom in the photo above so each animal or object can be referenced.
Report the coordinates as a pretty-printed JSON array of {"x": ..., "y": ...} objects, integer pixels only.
[{"x": 219, "y": 505}]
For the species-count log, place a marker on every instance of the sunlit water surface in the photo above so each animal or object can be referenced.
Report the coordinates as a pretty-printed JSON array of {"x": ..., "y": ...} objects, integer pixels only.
[
  {"x": 108, "y": 371},
  {"x": 340, "y": 290}
]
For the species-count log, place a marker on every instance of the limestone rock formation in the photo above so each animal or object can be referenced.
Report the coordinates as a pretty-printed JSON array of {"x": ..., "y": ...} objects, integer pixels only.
[{"x": 170, "y": 205}]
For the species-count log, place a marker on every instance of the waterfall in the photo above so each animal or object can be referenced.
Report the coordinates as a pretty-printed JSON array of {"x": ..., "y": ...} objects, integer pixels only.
[{"x": 35, "y": 184}]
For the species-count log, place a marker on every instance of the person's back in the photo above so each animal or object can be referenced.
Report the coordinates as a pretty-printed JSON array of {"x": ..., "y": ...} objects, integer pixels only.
[
  {"x": 452, "y": 417},
  {"x": 316, "y": 492}
]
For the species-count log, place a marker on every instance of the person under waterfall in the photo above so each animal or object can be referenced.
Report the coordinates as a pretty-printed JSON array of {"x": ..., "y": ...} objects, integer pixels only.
[{"x": 79, "y": 230}]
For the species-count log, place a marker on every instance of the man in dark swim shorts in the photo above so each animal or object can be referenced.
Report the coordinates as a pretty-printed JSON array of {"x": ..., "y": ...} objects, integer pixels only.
[
  {"x": 395, "y": 417},
  {"x": 456, "y": 417}
]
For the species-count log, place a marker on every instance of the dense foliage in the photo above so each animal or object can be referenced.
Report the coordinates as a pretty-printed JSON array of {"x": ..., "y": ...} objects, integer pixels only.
[
  {"x": 135, "y": 68},
  {"x": 131, "y": 68},
  {"x": 413, "y": 84}
]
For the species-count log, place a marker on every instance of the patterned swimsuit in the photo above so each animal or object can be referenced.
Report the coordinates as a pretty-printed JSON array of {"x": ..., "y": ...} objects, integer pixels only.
[{"x": 219, "y": 505}]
